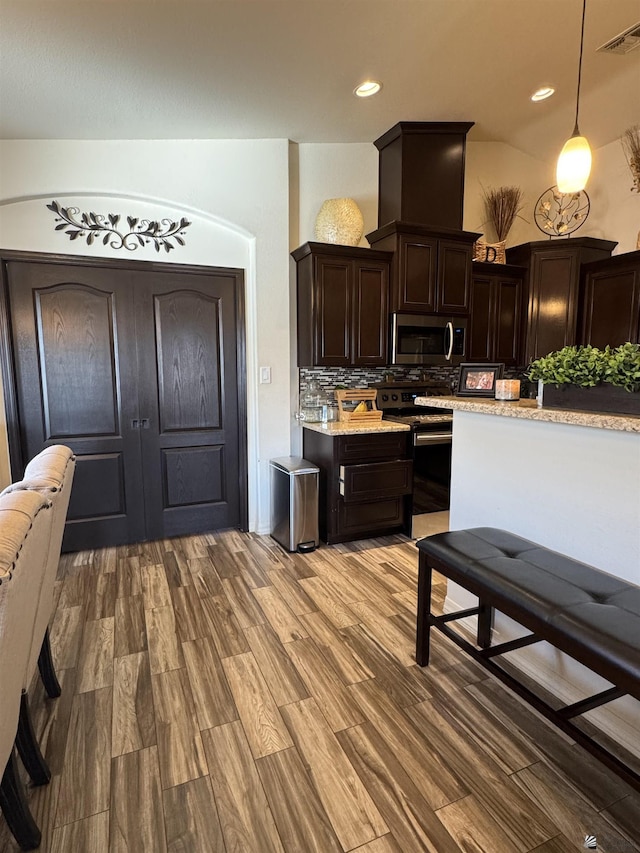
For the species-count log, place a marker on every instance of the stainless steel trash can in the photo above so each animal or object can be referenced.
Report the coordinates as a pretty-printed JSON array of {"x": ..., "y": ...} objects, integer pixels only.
[{"x": 294, "y": 503}]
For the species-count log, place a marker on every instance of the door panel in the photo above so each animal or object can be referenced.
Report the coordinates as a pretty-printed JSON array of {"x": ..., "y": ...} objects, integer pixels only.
[
  {"x": 75, "y": 358},
  {"x": 135, "y": 369},
  {"x": 188, "y": 393}
]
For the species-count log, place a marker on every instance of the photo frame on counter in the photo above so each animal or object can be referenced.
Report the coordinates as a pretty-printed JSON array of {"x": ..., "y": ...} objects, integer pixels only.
[{"x": 478, "y": 380}]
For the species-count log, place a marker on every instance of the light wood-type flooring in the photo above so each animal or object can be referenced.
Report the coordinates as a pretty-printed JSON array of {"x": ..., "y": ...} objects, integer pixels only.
[{"x": 220, "y": 694}]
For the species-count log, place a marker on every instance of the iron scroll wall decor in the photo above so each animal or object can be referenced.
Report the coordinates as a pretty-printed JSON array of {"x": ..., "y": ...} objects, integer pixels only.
[{"x": 142, "y": 232}]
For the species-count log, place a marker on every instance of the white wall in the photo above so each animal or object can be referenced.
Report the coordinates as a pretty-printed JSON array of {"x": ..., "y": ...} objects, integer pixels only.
[
  {"x": 615, "y": 210},
  {"x": 237, "y": 194}
]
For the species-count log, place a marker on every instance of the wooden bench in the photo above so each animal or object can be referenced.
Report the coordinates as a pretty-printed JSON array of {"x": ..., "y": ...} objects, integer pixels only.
[{"x": 590, "y": 615}]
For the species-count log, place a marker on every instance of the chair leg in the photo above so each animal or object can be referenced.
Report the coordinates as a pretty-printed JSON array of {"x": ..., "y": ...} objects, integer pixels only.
[
  {"x": 15, "y": 809},
  {"x": 47, "y": 669},
  {"x": 28, "y": 748}
]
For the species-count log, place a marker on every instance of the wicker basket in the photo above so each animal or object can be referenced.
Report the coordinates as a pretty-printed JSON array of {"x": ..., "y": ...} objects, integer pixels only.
[
  {"x": 492, "y": 253},
  {"x": 358, "y": 396}
]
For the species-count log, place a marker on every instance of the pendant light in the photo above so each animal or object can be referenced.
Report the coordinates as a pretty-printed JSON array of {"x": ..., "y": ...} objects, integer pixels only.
[{"x": 574, "y": 162}]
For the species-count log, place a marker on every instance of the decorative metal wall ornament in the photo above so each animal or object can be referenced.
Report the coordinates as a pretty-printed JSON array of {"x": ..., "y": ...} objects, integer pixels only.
[
  {"x": 142, "y": 232},
  {"x": 560, "y": 214}
]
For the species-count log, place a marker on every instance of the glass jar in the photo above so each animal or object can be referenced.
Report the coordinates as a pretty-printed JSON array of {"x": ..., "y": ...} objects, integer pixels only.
[{"x": 311, "y": 404}]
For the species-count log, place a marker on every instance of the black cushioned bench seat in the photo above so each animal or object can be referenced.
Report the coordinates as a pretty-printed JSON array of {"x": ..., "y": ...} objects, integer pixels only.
[{"x": 590, "y": 615}]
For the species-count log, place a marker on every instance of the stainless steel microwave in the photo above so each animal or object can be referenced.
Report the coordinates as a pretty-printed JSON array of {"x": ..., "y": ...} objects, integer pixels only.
[{"x": 427, "y": 339}]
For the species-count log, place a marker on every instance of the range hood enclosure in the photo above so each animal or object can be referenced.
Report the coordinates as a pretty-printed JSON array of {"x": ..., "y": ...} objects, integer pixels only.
[{"x": 421, "y": 173}]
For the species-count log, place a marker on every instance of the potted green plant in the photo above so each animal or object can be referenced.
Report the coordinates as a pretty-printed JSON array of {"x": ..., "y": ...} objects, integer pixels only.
[{"x": 590, "y": 379}]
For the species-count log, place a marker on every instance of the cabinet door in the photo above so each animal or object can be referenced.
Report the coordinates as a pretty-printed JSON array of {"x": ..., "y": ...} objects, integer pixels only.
[
  {"x": 611, "y": 312},
  {"x": 370, "y": 312},
  {"x": 552, "y": 304},
  {"x": 376, "y": 480},
  {"x": 482, "y": 306},
  {"x": 415, "y": 284},
  {"x": 454, "y": 277},
  {"x": 508, "y": 307},
  {"x": 332, "y": 312}
]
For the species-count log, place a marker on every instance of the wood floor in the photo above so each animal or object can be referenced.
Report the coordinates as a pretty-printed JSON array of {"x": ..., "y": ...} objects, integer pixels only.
[{"x": 220, "y": 694}]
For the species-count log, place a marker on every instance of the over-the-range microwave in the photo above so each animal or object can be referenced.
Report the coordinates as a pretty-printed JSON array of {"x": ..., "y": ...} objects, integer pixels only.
[{"x": 427, "y": 339}]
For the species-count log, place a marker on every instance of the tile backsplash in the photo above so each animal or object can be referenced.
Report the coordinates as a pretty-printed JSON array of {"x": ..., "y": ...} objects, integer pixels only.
[{"x": 351, "y": 377}]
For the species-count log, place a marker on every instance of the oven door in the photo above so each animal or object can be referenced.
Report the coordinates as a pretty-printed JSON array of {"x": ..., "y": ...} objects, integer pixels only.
[{"x": 431, "y": 470}]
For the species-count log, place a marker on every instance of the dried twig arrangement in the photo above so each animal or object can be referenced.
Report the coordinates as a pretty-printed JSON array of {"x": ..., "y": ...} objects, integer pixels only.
[
  {"x": 631, "y": 145},
  {"x": 502, "y": 205}
]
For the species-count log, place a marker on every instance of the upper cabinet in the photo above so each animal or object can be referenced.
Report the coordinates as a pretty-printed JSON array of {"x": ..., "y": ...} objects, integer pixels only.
[
  {"x": 610, "y": 301},
  {"x": 552, "y": 280},
  {"x": 342, "y": 306},
  {"x": 431, "y": 270},
  {"x": 496, "y": 314}
]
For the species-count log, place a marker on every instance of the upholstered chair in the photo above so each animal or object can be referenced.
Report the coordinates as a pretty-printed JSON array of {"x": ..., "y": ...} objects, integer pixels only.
[
  {"x": 51, "y": 473},
  {"x": 25, "y": 528}
]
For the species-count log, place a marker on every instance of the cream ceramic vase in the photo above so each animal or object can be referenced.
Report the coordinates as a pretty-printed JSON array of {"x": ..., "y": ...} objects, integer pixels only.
[{"x": 339, "y": 220}]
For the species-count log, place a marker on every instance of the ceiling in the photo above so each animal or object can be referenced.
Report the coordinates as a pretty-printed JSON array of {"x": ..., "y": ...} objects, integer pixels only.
[{"x": 228, "y": 69}]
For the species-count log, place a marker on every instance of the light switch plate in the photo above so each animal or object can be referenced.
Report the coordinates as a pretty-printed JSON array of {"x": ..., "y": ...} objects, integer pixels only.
[{"x": 265, "y": 375}]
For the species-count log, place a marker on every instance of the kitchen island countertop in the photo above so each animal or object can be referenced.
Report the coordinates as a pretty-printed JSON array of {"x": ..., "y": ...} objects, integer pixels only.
[
  {"x": 528, "y": 410},
  {"x": 356, "y": 428}
]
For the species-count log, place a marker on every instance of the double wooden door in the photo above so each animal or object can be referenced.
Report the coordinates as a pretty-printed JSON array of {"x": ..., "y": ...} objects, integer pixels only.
[{"x": 137, "y": 368}]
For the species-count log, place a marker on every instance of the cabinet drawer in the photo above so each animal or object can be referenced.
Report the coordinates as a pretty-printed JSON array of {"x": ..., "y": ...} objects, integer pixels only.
[
  {"x": 376, "y": 480},
  {"x": 372, "y": 446},
  {"x": 369, "y": 519}
]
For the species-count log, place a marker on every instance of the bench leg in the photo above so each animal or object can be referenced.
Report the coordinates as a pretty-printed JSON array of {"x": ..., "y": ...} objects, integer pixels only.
[
  {"x": 423, "y": 627},
  {"x": 485, "y": 624}
]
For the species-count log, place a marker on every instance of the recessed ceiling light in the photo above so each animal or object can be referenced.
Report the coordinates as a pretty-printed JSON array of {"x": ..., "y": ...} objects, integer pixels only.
[
  {"x": 543, "y": 93},
  {"x": 368, "y": 88}
]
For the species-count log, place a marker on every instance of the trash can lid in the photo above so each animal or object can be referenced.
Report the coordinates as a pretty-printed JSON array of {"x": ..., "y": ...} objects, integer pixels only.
[{"x": 294, "y": 465}]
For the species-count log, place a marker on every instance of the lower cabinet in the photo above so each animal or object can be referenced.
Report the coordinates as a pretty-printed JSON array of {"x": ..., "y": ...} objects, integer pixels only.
[{"x": 365, "y": 483}]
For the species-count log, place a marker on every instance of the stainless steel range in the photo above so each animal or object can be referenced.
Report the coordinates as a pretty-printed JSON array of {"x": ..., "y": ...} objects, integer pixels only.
[{"x": 431, "y": 438}]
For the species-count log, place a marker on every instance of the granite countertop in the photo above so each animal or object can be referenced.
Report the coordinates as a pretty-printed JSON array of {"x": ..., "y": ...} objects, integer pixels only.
[
  {"x": 349, "y": 428},
  {"x": 528, "y": 409}
]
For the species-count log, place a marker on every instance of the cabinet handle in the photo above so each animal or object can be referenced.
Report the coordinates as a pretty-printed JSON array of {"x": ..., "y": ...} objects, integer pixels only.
[{"x": 135, "y": 423}]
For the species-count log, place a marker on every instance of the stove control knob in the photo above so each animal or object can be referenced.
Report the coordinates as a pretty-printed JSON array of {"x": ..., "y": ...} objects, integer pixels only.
[
  {"x": 394, "y": 396},
  {"x": 385, "y": 397}
]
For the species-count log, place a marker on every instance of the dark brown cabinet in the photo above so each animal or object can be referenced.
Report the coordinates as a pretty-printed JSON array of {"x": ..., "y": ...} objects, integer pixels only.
[
  {"x": 342, "y": 306},
  {"x": 431, "y": 271},
  {"x": 496, "y": 313},
  {"x": 610, "y": 301},
  {"x": 365, "y": 483},
  {"x": 552, "y": 282}
]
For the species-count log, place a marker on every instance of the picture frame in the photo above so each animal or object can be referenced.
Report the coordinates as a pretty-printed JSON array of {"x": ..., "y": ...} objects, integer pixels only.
[{"x": 478, "y": 380}]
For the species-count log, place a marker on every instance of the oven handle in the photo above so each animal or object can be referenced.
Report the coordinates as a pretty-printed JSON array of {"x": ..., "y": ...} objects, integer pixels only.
[
  {"x": 450, "y": 349},
  {"x": 421, "y": 438}
]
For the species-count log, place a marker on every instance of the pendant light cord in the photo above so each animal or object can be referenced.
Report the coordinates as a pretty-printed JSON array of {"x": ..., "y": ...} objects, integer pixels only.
[{"x": 576, "y": 132}]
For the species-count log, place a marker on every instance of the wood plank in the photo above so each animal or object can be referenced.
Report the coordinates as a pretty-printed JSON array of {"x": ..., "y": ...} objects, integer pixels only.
[
  {"x": 387, "y": 632},
  {"x": 91, "y": 833},
  {"x": 412, "y": 822},
  {"x": 176, "y": 569},
  {"x": 155, "y": 588},
  {"x": 130, "y": 626},
  {"x": 325, "y": 685},
  {"x": 88, "y": 758},
  {"x": 180, "y": 747},
  {"x": 343, "y": 658},
  {"x": 165, "y": 650},
  {"x": 567, "y": 808},
  {"x": 191, "y": 818},
  {"x": 440, "y": 786},
  {"x": 266, "y": 731},
  {"x": 133, "y": 721},
  {"x": 283, "y": 621},
  {"x": 243, "y": 602},
  {"x": 625, "y": 815},
  {"x": 473, "y": 829},
  {"x": 191, "y": 622},
  {"x": 100, "y": 596},
  {"x": 129, "y": 577},
  {"x": 66, "y": 636},
  {"x": 95, "y": 660},
  {"x": 137, "y": 820},
  {"x": 213, "y": 700},
  {"x": 336, "y": 612},
  {"x": 245, "y": 817},
  {"x": 51, "y": 719},
  {"x": 353, "y": 815},
  {"x": 276, "y": 666},
  {"x": 205, "y": 578},
  {"x": 223, "y": 627},
  {"x": 291, "y": 592},
  {"x": 302, "y": 822}
]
